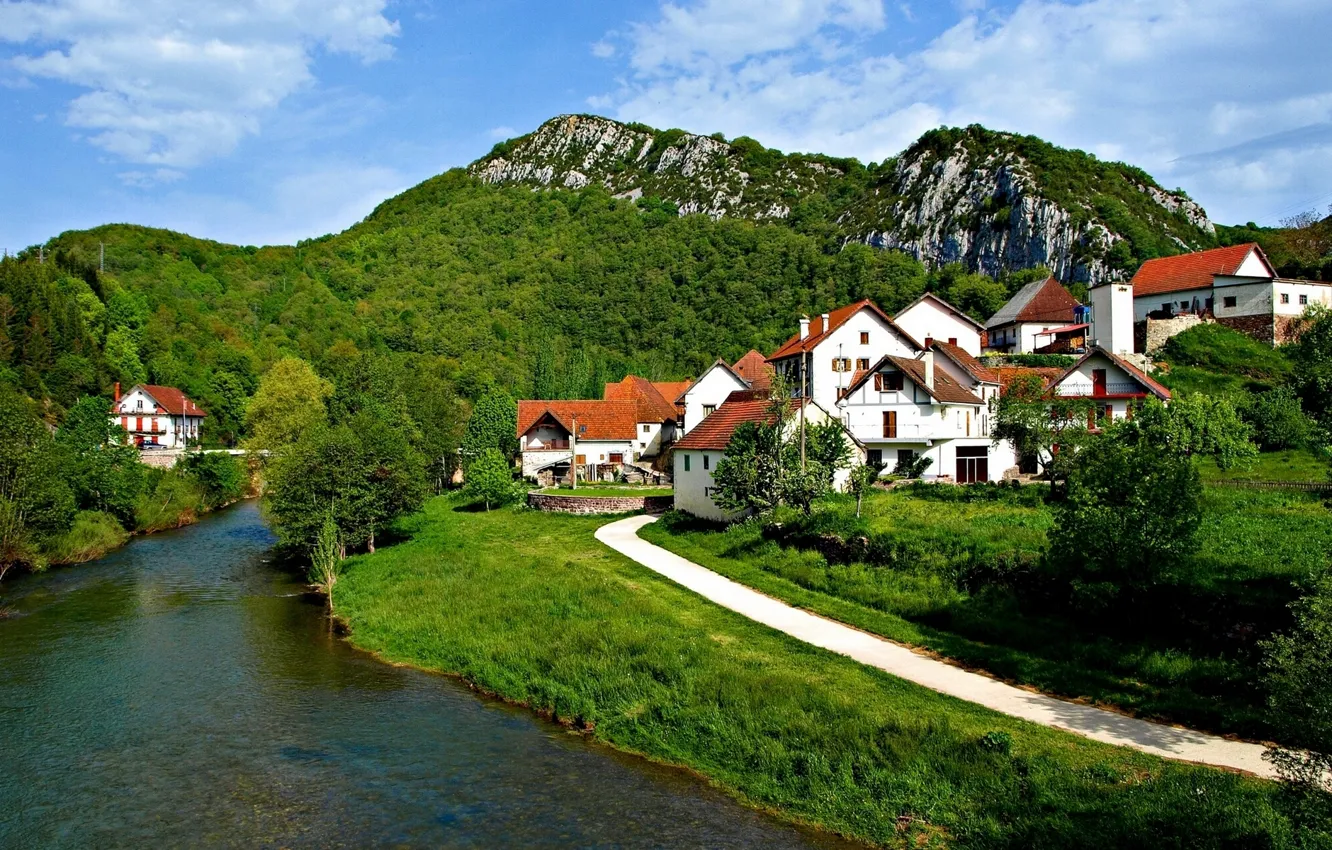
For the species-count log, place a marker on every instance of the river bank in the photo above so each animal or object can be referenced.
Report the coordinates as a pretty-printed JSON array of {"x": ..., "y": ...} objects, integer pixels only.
[
  {"x": 186, "y": 691},
  {"x": 530, "y": 607}
]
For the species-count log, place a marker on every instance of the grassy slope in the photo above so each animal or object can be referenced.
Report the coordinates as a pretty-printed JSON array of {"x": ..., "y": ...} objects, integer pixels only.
[
  {"x": 531, "y": 607},
  {"x": 988, "y": 630}
]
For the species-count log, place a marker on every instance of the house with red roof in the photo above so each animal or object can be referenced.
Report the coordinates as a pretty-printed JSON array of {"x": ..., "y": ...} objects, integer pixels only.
[
  {"x": 1029, "y": 317},
  {"x": 157, "y": 417},
  {"x": 930, "y": 318},
  {"x": 701, "y": 398},
  {"x": 1111, "y": 382},
  {"x": 904, "y": 408},
  {"x": 828, "y": 353},
  {"x": 1235, "y": 285},
  {"x": 697, "y": 454}
]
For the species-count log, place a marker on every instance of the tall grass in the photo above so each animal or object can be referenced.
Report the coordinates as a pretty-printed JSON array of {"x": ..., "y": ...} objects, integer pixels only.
[
  {"x": 529, "y": 606},
  {"x": 92, "y": 535}
]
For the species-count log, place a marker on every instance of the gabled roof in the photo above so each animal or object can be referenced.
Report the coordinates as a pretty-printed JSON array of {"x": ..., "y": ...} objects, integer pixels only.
[
  {"x": 754, "y": 370},
  {"x": 597, "y": 420},
  {"x": 973, "y": 367},
  {"x": 836, "y": 318},
  {"x": 1041, "y": 301},
  {"x": 652, "y": 406},
  {"x": 945, "y": 390},
  {"x": 170, "y": 399},
  {"x": 716, "y": 364},
  {"x": 1193, "y": 271},
  {"x": 672, "y": 390},
  {"x": 949, "y": 307},
  {"x": 1133, "y": 372},
  {"x": 741, "y": 406}
]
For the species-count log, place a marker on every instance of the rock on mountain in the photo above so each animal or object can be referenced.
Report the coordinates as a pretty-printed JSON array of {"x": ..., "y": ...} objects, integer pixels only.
[{"x": 994, "y": 201}]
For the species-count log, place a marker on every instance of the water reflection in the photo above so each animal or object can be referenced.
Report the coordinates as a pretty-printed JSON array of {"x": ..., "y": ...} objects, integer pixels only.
[{"x": 183, "y": 691}]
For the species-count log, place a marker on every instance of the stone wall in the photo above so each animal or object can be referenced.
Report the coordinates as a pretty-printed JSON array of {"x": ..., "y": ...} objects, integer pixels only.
[
  {"x": 1287, "y": 328},
  {"x": 1155, "y": 332},
  {"x": 558, "y": 503},
  {"x": 1260, "y": 328}
]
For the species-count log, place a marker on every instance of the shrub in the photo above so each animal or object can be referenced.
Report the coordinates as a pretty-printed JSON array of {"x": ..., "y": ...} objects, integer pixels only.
[
  {"x": 490, "y": 479},
  {"x": 221, "y": 477},
  {"x": 1277, "y": 420},
  {"x": 93, "y": 534}
]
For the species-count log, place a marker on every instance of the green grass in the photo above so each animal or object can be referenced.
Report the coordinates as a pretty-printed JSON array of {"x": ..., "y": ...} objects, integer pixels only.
[
  {"x": 529, "y": 606},
  {"x": 1202, "y": 677},
  {"x": 1213, "y": 358},
  {"x": 92, "y": 535},
  {"x": 1286, "y": 465}
]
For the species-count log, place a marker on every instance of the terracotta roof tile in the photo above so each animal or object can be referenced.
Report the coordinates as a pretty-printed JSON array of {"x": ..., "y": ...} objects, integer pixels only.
[
  {"x": 740, "y": 407},
  {"x": 836, "y": 318},
  {"x": 597, "y": 419},
  {"x": 1008, "y": 374},
  {"x": 945, "y": 391},
  {"x": 1042, "y": 301},
  {"x": 1190, "y": 271},
  {"x": 969, "y": 364},
  {"x": 171, "y": 400},
  {"x": 653, "y": 407},
  {"x": 754, "y": 370}
]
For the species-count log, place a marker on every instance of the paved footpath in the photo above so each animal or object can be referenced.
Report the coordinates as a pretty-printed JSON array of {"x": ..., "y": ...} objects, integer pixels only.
[{"x": 1166, "y": 741}]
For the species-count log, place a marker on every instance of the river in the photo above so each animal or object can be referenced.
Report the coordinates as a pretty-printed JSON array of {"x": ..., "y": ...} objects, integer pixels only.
[{"x": 183, "y": 692}]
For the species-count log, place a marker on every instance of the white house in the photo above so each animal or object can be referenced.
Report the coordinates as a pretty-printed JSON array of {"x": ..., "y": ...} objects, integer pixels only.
[
  {"x": 930, "y": 318},
  {"x": 157, "y": 417},
  {"x": 973, "y": 376},
  {"x": 837, "y": 347},
  {"x": 603, "y": 433},
  {"x": 905, "y": 407},
  {"x": 696, "y": 455},
  {"x": 1112, "y": 383},
  {"x": 1236, "y": 286},
  {"x": 702, "y": 397},
  {"x": 1035, "y": 311}
]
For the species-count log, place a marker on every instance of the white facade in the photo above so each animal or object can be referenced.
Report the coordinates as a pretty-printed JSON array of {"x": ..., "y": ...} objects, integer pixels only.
[
  {"x": 1112, "y": 317},
  {"x": 148, "y": 424},
  {"x": 708, "y": 392},
  {"x": 594, "y": 452},
  {"x": 930, "y": 318},
  {"x": 1112, "y": 389},
  {"x": 1182, "y": 301},
  {"x": 1299, "y": 296},
  {"x": 1019, "y": 337},
  {"x": 857, "y": 344}
]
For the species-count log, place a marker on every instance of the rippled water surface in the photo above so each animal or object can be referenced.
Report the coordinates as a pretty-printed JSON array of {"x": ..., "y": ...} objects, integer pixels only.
[{"x": 182, "y": 692}]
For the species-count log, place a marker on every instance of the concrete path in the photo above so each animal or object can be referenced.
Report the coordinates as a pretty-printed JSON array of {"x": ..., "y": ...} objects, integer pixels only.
[{"x": 1101, "y": 725}]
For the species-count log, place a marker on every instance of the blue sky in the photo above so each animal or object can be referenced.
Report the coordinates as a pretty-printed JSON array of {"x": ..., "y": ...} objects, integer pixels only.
[{"x": 263, "y": 122}]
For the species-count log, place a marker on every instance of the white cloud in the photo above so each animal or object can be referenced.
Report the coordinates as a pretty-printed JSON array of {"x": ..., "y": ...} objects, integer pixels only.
[
  {"x": 1174, "y": 86},
  {"x": 499, "y": 134},
  {"x": 149, "y": 179},
  {"x": 603, "y": 49},
  {"x": 175, "y": 86}
]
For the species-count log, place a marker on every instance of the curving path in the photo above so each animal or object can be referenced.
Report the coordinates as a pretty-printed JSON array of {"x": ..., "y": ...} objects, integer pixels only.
[{"x": 1107, "y": 726}]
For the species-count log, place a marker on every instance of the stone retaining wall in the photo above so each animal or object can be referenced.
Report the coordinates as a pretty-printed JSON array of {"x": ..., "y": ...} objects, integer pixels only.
[{"x": 599, "y": 504}]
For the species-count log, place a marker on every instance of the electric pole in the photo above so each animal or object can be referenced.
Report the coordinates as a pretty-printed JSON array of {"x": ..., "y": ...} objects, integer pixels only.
[
  {"x": 802, "y": 411},
  {"x": 573, "y": 453}
]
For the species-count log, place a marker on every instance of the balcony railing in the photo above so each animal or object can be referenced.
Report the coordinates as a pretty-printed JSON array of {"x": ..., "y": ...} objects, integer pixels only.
[
  {"x": 1100, "y": 390},
  {"x": 147, "y": 429},
  {"x": 545, "y": 445}
]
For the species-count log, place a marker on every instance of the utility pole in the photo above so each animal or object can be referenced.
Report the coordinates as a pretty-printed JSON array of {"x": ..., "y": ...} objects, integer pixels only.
[
  {"x": 573, "y": 453},
  {"x": 41, "y": 255},
  {"x": 802, "y": 411}
]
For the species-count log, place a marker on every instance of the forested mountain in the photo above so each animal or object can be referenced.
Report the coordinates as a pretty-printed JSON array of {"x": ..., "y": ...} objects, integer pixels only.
[{"x": 996, "y": 202}]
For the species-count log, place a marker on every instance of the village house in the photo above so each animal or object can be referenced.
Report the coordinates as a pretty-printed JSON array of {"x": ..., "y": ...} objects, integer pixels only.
[
  {"x": 697, "y": 454},
  {"x": 903, "y": 408},
  {"x": 930, "y": 318},
  {"x": 1030, "y": 318},
  {"x": 828, "y": 353},
  {"x": 702, "y": 397},
  {"x": 1235, "y": 286},
  {"x": 156, "y": 417},
  {"x": 1111, "y": 382}
]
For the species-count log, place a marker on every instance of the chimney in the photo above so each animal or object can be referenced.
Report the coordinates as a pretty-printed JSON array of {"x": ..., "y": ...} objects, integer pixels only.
[
  {"x": 117, "y": 393},
  {"x": 804, "y": 327},
  {"x": 928, "y": 359},
  {"x": 825, "y": 323}
]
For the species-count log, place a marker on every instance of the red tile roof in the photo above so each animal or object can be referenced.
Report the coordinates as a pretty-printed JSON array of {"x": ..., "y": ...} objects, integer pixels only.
[
  {"x": 754, "y": 370},
  {"x": 597, "y": 420},
  {"x": 171, "y": 400},
  {"x": 672, "y": 390},
  {"x": 1191, "y": 271},
  {"x": 945, "y": 390},
  {"x": 1042, "y": 301},
  {"x": 740, "y": 407},
  {"x": 836, "y": 318},
  {"x": 653, "y": 407},
  {"x": 969, "y": 364}
]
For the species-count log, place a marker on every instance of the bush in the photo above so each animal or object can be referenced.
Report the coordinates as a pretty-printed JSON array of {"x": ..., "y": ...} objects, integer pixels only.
[
  {"x": 93, "y": 534},
  {"x": 1129, "y": 518},
  {"x": 1277, "y": 420},
  {"x": 169, "y": 500},
  {"x": 490, "y": 479},
  {"x": 222, "y": 477}
]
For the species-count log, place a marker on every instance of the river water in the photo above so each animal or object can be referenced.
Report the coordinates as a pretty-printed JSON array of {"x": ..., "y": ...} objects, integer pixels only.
[{"x": 184, "y": 692}]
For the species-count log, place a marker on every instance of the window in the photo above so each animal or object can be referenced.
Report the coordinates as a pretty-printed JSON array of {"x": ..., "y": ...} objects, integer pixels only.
[
  {"x": 892, "y": 382},
  {"x": 890, "y": 424},
  {"x": 686, "y": 458},
  {"x": 646, "y": 427},
  {"x": 1166, "y": 307},
  {"x": 1228, "y": 301},
  {"x": 582, "y": 429},
  {"x": 1304, "y": 299},
  {"x": 705, "y": 460},
  {"x": 1183, "y": 305},
  {"x": 905, "y": 456},
  {"x": 874, "y": 457},
  {"x": 708, "y": 410},
  {"x": 841, "y": 364},
  {"x": 138, "y": 405},
  {"x": 862, "y": 363},
  {"x": 864, "y": 337},
  {"x": 952, "y": 340},
  {"x": 617, "y": 457},
  {"x": 1285, "y": 298}
]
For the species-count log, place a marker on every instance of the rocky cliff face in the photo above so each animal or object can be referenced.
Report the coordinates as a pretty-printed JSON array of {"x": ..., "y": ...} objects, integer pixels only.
[{"x": 993, "y": 201}]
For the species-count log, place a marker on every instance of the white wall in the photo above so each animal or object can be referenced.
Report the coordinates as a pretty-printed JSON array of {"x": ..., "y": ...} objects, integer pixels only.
[
  {"x": 1253, "y": 267},
  {"x": 692, "y": 487},
  {"x": 1112, "y": 317},
  {"x": 943, "y": 456},
  {"x": 1144, "y": 304},
  {"x": 595, "y": 452},
  {"x": 1020, "y": 338},
  {"x": 1251, "y": 299},
  {"x": 845, "y": 342},
  {"x": 712, "y": 387},
  {"x": 178, "y": 431},
  {"x": 927, "y": 318},
  {"x": 1314, "y": 293}
]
